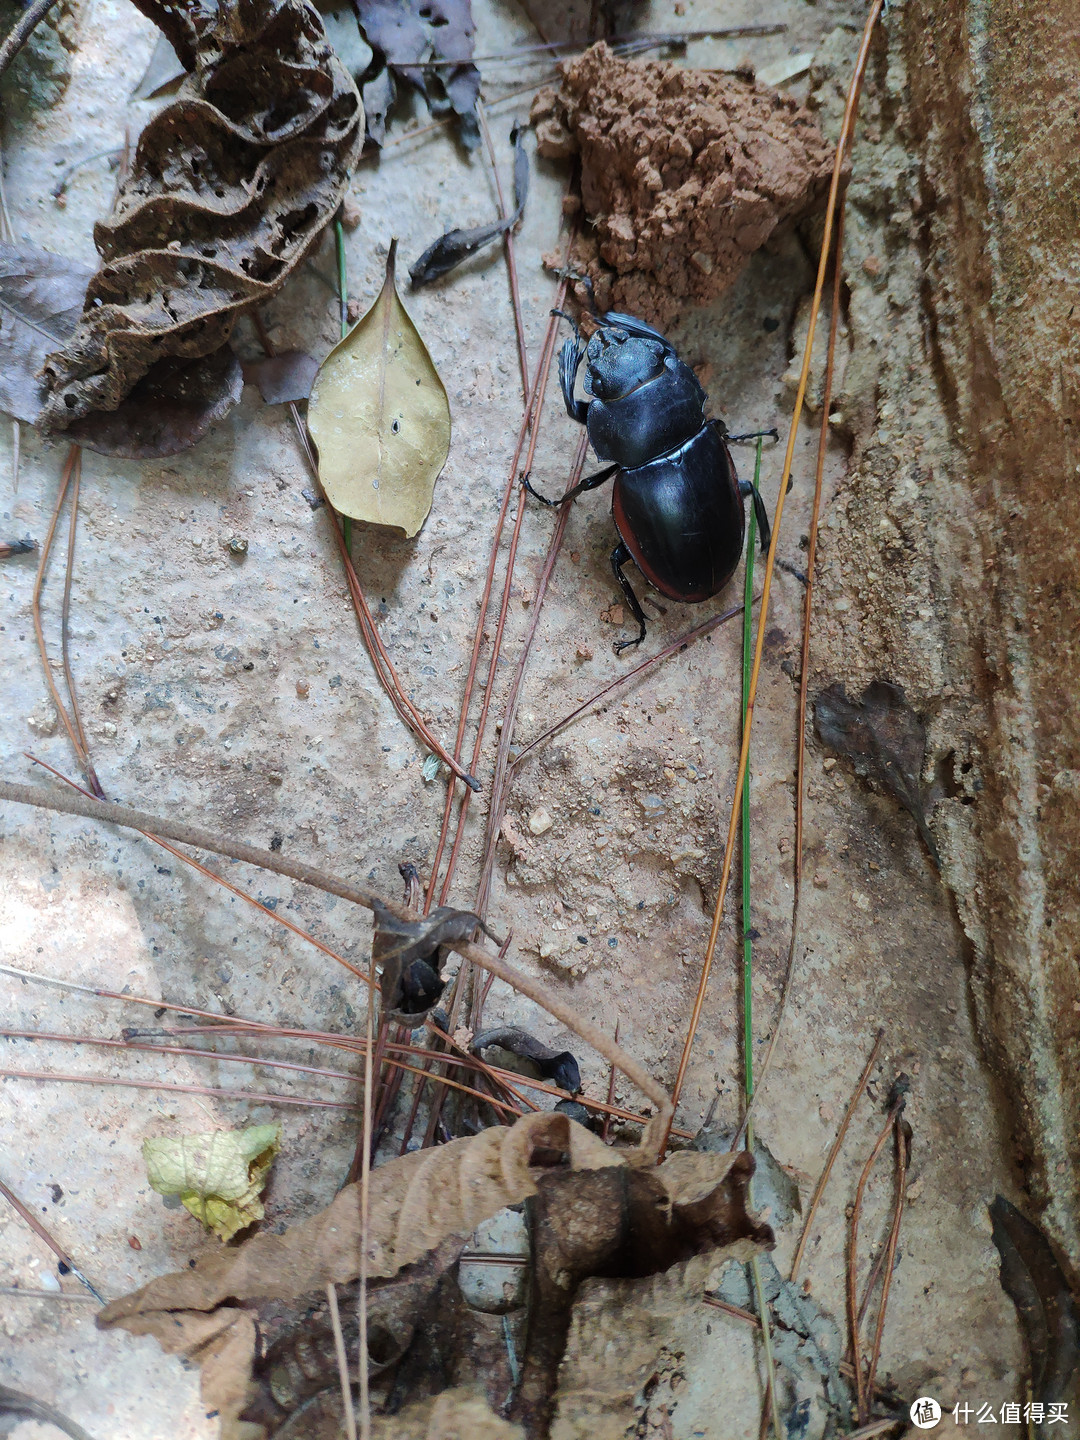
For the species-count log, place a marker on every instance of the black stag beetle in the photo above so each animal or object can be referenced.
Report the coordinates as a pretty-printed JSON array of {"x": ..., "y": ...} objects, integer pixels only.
[{"x": 676, "y": 502}]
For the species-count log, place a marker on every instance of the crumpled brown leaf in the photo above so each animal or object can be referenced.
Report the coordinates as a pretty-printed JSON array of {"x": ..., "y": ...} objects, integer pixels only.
[
  {"x": 600, "y": 1211},
  {"x": 625, "y": 1223},
  {"x": 886, "y": 740},
  {"x": 231, "y": 185},
  {"x": 405, "y": 32},
  {"x": 409, "y": 957},
  {"x": 417, "y": 1203}
]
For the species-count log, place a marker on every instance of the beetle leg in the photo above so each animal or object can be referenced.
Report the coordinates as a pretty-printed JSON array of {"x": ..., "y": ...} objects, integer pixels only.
[
  {"x": 570, "y": 358},
  {"x": 619, "y": 556},
  {"x": 753, "y": 435},
  {"x": 589, "y": 483},
  {"x": 747, "y": 487}
]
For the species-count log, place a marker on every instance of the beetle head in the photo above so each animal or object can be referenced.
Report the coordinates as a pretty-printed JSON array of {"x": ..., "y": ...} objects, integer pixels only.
[{"x": 617, "y": 363}]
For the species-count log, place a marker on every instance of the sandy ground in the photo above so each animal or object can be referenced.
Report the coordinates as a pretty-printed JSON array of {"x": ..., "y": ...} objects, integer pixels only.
[{"x": 234, "y": 691}]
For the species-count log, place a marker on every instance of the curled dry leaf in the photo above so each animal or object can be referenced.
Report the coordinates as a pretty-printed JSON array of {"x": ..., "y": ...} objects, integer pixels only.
[
  {"x": 886, "y": 740},
  {"x": 218, "y": 1177},
  {"x": 407, "y": 32},
  {"x": 626, "y": 1223},
  {"x": 380, "y": 417},
  {"x": 598, "y": 1214},
  {"x": 408, "y": 954},
  {"x": 232, "y": 184},
  {"x": 1034, "y": 1281},
  {"x": 417, "y": 1203},
  {"x": 558, "y": 1066},
  {"x": 169, "y": 409}
]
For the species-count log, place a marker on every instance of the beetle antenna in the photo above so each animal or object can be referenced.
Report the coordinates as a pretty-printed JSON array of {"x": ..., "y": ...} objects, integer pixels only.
[{"x": 565, "y": 315}]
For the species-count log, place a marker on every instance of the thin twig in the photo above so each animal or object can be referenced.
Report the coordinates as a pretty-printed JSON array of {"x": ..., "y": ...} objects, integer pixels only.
[
  {"x": 39, "y": 1229},
  {"x": 500, "y": 784},
  {"x": 39, "y": 630},
  {"x": 21, "y": 31},
  {"x": 852, "y": 1259},
  {"x": 365, "y": 1215},
  {"x": 804, "y": 675},
  {"x": 903, "y": 1150},
  {"x": 191, "y": 835},
  {"x": 529, "y": 429},
  {"x": 697, "y": 633},
  {"x": 785, "y": 474},
  {"x": 823, "y": 1179},
  {"x": 232, "y": 1024},
  {"x": 342, "y": 1361},
  {"x": 505, "y": 211}
]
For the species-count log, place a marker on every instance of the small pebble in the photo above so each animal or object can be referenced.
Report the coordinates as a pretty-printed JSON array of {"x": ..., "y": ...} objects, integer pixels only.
[
  {"x": 302, "y": 689},
  {"x": 872, "y": 266},
  {"x": 821, "y": 881},
  {"x": 829, "y": 764},
  {"x": 134, "y": 1242},
  {"x": 540, "y": 822},
  {"x": 238, "y": 545}
]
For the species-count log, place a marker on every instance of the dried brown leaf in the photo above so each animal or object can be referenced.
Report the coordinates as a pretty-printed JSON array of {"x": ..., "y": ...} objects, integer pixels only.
[
  {"x": 627, "y": 1223},
  {"x": 170, "y": 409},
  {"x": 885, "y": 738},
  {"x": 41, "y": 300},
  {"x": 1034, "y": 1281},
  {"x": 283, "y": 378},
  {"x": 404, "y": 32},
  {"x": 231, "y": 185},
  {"x": 380, "y": 417},
  {"x": 417, "y": 1204}
]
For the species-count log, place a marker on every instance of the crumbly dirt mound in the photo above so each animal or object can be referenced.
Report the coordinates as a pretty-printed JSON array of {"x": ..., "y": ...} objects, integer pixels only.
[{"x": 684, "y": 174}]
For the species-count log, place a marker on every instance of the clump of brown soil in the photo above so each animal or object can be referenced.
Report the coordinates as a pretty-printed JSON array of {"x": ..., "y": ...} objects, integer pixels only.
[{"x": 684, "y": 174}]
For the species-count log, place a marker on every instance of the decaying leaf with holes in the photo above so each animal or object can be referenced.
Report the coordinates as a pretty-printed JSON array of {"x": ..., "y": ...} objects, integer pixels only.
[
  {"x": 885, "y": 739},
  {"x": 408, "y": 954},
  {"x": 218, "y": 1176},
  {"x": 600, "y": 1211},
  {"x": 231, "y": 185},
  {"x": 380, "y": 417}
]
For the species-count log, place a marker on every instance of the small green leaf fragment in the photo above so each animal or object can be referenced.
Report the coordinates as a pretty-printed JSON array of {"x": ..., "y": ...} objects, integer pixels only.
[{"x": 218, "y": 1177}]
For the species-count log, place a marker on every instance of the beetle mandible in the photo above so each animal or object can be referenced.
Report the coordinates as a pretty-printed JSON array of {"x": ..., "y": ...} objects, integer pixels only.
[{"x": 677, "y": 502}]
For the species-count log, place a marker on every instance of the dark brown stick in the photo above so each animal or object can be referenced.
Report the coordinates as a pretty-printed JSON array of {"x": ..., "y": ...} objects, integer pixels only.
[{"x": 21, "y": 31}]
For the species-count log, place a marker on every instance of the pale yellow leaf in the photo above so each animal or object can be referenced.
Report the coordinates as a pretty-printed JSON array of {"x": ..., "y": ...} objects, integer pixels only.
[
  {"x": 380, "y": 418},
  {"x": 218, "y": 1177}
]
